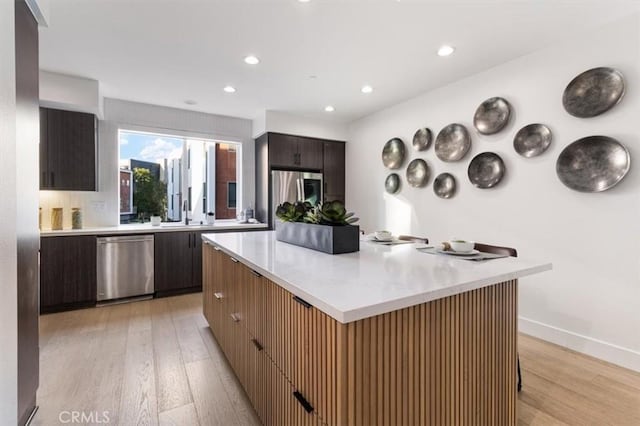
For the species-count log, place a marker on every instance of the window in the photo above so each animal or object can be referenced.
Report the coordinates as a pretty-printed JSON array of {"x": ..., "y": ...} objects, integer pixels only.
[
  {"x": 156, "y": 178},
  {"x": 231, "y": 195}
]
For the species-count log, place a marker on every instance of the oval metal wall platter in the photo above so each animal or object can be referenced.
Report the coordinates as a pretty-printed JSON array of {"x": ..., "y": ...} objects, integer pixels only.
[
  {"x": 593, "y": 164},
  {"x": 444, "y": 185},
  {"x": 422, "y": 139},
  {"x": 393, "y": 153},
  {"x": 418, "y": 173},
  {"x": 532, "y": 140},
  {"x": 492, "y": 115},
  {"x": 392, "y": 183},
  {"x": 486, "y": 170},
  {"x": 452, "y": 143},
  {"x": 593, "y": 92}
]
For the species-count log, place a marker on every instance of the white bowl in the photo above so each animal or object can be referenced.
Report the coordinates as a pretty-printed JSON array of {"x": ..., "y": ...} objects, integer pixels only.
[
  {"x": 383, "y": 235},
  {"x": 461, "y": 246}
]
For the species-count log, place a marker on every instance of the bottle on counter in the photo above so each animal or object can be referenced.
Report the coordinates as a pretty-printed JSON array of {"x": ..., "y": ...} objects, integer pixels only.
[
  {"x": 76, "y": 218},
  {"x": 56, "y": 219}
]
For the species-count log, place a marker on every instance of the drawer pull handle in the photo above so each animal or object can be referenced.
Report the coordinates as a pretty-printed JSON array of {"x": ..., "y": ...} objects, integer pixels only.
[
  {"x": 302, "y": 302},
  {"x": 305, "y": 404},
  {"x": 257, "y": 345},
  {"x": 233, "y": 259},
  {"x": 218, "y": 296},
  {"x": 216, "y": 248},
  {"x": 257, "y": 274},
  {"x": 235, "y": 317}
]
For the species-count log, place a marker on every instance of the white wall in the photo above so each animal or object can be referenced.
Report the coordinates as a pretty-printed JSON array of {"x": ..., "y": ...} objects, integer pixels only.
[
  {"x": 8, "y": 219},
  {"x": 281, "y": 122},
  {"x": 591, "y": 300},
  {"x": 70, "y": 93},
  {"x": 101, "y": 208}
]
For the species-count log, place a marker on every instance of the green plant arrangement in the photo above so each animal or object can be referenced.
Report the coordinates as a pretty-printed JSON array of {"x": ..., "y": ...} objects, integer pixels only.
[
  {"x": 332, "y": 213},
  {"x": 327, "y": 227}
]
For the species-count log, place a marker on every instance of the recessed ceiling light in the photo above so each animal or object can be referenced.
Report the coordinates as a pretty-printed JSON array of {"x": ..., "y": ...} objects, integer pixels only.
[
  {"x": 190, "y": 102},
  {"x": 329, "y": 108},
  {"x": 304, "y": 1},
  {"x": 229, "y": 89},
  {"x": 252, "y": 60},
  {"x": 366, "y": 89},
  {"x": 446, "y": 50}
]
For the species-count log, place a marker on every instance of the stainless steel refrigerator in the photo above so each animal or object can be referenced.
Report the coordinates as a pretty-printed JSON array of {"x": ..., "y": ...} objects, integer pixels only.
[{"x": 294, "y": 186}]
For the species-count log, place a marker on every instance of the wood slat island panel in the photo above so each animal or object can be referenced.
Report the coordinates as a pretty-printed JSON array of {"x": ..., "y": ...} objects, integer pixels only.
[{"x": 447, "y": 361}]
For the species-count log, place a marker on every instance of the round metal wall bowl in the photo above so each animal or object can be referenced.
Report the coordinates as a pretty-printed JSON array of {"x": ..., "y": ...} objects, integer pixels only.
[
  {"x": 452, "y": 143},
  {"x": 486, "y": 170},
  {"x": 593, "y": 92},
  {"x": 393, "y": 153},
  {"x": 422, "y": 139},
  {"x": 532, "y": 140},
  {"x": 492, "y": 115},
  {"x": 418, "y": 173},
  {"x": 392, "y": 183},
  {"x": 593, "y": 164},
  {"x": 444, "y": 186}
]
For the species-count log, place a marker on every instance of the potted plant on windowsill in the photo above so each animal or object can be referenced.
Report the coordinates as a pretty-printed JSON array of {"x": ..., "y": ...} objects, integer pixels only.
[{"x": 327, "y": 227}]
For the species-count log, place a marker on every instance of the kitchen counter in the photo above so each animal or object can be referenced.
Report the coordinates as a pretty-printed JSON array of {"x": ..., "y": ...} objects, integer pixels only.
[
  {"x": 431, "y": 338},
  {"x": 376, "y": 280},
  {"x": 146, "y": 228}
]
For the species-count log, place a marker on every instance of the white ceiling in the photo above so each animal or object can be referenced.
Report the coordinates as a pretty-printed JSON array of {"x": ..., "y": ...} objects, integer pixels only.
[{"x": 167, "y": 51}]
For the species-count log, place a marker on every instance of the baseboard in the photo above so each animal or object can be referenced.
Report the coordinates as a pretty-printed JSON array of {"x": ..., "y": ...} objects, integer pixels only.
[{"x": 605, "y": 351}]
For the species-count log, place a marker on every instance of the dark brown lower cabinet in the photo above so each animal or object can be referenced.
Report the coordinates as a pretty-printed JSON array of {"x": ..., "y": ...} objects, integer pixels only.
[
  {"x": 67, "y": 273},
  {"x": 178, "y": 263}
]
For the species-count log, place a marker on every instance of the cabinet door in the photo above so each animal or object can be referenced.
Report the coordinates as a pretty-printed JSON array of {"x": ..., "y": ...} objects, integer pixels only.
[
  {"x": 196, "y": 243},
  {"x": 310, "y": 154},
  {"x": 71, "y": 150},
  {"x": 67, "y": 272},
  {"x": 334, "y": 174},
  {"x": 173, "y": 268},
  {"x": 283, "y": 151},
  {"x": 44, "y": 167}
]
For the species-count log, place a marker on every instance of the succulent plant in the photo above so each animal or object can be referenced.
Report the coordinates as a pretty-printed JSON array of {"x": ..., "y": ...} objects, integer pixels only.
[
  {"x": 288, "y": 212},
  {"x": 330, "y": 213}
]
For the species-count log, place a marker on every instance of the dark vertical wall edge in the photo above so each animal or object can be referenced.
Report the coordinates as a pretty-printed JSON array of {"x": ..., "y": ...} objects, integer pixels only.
[{"x": 28, "y": 240}]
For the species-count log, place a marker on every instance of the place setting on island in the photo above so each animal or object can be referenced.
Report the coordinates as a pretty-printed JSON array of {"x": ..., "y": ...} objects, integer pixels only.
[{"x": 467, "y": 250}]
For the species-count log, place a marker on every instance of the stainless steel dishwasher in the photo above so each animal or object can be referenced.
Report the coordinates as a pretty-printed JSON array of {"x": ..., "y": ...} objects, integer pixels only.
[{"x": 125, "y": 266}]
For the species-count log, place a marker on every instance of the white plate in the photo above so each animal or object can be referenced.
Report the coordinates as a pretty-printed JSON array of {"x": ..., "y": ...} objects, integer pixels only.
[
  {"x": 459, "y": 253},
  {"x": 386, "y": 240}
]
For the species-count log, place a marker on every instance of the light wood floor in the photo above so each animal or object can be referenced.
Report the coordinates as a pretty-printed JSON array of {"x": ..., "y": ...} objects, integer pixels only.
[{"x": 156, "y": 362}]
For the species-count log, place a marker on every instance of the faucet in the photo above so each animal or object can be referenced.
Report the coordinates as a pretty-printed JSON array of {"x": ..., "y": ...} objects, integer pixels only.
[{"x": 185, "y": 207}]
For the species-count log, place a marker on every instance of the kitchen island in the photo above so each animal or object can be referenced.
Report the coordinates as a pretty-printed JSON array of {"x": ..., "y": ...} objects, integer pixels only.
[{"x": 387, "y": 335}]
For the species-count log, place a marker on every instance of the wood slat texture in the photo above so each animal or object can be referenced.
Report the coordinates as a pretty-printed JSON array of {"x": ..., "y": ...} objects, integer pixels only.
[{"x": 450, "y": 361}]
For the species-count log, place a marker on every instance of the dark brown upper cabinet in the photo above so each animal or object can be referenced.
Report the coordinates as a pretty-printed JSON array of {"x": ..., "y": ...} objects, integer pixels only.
[
  {"x": 334, "y": 171},
  {"x": 295, "y": 152},
  {"x": 68, "y": 150}
]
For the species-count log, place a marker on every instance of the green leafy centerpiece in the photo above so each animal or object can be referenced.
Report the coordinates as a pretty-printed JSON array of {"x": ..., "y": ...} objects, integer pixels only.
[{"x": 327, "y": 227}]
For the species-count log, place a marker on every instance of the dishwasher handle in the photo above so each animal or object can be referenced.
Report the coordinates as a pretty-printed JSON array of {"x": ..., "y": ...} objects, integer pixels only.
[{"x": 127, "y": 239}]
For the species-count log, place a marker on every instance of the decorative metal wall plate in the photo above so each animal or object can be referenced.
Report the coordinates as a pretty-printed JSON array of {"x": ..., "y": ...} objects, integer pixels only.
[
  {"x": 444, "y": 185},
  {"x": 532, "y": 140},
  {"x": 422, "y": 139},
  {"x": 392, "y": 183},
  {"x": 492, "y": 115},
  {"x": 486, "y": 170},
  {"x": 593, "y": 92},
  {"x": 453, "y": 143},
  {"x": 418, "y": 173},
  {"x": 393, "y": 153},
  {"x": 593, "y": 164}
]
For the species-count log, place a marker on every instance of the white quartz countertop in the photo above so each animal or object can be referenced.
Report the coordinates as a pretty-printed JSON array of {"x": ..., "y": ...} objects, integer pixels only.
[
  {"x": 376, "y": 280},
  {"x": 146, "y": 228}
]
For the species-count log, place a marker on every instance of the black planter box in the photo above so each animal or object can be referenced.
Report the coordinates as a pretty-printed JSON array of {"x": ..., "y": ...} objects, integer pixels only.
[{"x": 325, "y": 238}]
